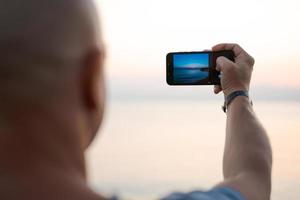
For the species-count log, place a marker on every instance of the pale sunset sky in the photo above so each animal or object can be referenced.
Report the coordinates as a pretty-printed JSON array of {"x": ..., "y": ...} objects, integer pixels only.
[
  {"x": 139, "y": 34},
  {"x": 144, "y": 144}
]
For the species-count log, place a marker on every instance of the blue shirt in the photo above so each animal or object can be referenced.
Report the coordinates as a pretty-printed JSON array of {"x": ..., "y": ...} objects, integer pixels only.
[{"x": 221, "y": 193}]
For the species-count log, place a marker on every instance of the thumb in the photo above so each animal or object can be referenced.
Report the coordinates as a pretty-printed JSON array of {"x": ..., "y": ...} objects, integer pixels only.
[{"x": 222, "y": 62}]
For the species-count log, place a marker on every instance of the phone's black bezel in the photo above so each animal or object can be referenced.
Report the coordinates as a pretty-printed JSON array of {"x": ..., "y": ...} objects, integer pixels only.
[
  {"x": 212, "y": 58},
  {"x": 170, "y": 68}
]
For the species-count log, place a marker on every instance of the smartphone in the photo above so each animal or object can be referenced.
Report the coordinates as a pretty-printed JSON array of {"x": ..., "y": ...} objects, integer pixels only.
[{"x": 195, "y": 68}]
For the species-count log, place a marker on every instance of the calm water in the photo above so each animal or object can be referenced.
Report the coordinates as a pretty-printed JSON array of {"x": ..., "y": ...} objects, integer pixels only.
[
  {"x": 183, "y": 75},
  {"x": 147, "y": 149}
]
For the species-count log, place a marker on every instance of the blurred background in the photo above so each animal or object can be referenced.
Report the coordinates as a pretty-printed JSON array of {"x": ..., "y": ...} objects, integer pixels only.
[{"x": 158, "y": 139}]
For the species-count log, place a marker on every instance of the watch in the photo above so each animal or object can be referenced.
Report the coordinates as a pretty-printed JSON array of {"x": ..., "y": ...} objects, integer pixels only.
[{"x": 232, "y": 96}]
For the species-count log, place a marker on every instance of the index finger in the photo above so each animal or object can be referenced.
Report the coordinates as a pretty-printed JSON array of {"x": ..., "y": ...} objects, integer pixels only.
[{"x": 238, "y": 51}]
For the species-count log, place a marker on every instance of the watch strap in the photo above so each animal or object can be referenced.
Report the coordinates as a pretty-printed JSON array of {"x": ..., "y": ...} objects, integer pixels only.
[{"x": 231, "y": 97}]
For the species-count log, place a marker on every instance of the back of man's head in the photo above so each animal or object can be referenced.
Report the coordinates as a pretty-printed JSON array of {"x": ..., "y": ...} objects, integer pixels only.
[
  {"x": 41, "y": 44},
  {"x": 48, "y": 55},
  {"x": 51, "y": 97}
]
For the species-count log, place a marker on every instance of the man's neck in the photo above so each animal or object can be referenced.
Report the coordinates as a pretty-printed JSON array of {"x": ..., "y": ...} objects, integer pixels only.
[{"x": 41, "y": 150}]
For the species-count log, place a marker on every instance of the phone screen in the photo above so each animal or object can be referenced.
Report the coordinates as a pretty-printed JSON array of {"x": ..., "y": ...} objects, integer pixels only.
[
  {"x": 195, "y": 68},
  {"x": 190, "y": 68}
]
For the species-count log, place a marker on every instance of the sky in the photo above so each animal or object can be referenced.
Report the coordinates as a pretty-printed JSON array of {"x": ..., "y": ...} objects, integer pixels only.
[
  {"x": 190, "y": 60},
  {"x": 139, "y": 33}
]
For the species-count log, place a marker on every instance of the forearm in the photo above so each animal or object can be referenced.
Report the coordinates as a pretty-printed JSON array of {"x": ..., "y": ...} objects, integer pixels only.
[
  {"x": 247, "y": 148},
  {"x": 247, "y": 156}
]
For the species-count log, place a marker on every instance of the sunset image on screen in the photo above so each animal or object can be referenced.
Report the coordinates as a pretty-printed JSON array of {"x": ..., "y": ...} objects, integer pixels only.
[{"x": 190, "y": 68}]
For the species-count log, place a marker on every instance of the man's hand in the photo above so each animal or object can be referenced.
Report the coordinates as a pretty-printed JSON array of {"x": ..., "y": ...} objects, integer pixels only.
[{"x": 234, "y": 75}]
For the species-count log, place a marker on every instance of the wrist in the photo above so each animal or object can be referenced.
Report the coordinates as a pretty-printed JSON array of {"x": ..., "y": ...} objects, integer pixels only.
[
  {"x": 240, "y": 102},
  {"x": 235, "y": 89},
  {"x": 233, "y": 97}
]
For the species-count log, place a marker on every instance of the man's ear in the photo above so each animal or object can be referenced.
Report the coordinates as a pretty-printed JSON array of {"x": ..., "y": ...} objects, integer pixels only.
[
  {"x": 92, "y": 93},
  {"x": 90, "y": 79}
]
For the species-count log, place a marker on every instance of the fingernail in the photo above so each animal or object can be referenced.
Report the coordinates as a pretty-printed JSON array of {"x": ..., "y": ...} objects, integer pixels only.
[
  {"x": 220, "y": 60},
  {"x": 215, "y": 90}
]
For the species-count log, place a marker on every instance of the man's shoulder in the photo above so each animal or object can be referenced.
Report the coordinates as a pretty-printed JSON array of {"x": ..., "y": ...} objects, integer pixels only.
[{"x": 221, "y": 193}]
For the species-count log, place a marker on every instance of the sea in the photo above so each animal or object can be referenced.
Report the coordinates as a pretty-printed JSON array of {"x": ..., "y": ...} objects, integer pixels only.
[
  {"x": 147, "y": 149},
  {"x": 183, "y": 75}
]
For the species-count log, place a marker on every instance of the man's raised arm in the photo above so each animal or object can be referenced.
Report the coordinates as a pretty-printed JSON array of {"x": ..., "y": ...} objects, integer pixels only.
[{"x": 247, "y": 157}]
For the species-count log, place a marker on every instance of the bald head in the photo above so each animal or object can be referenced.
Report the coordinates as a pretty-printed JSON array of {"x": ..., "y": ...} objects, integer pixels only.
[
  {"x": 51, "y": 96},
  {"x": 42, "y": 46},
  {"x": 47, "y": 25}
]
